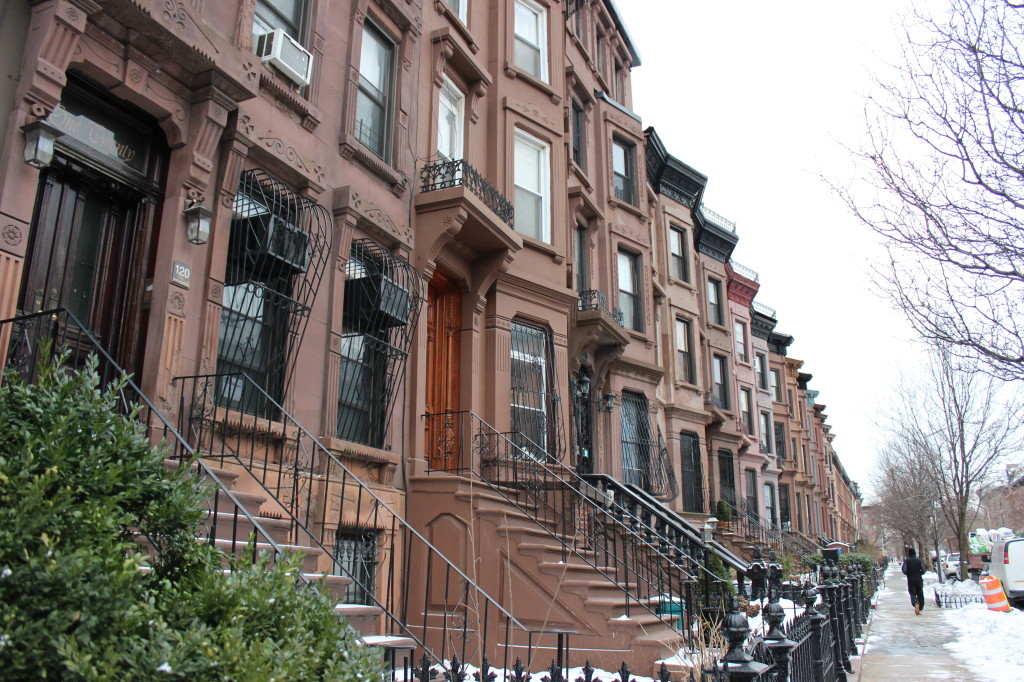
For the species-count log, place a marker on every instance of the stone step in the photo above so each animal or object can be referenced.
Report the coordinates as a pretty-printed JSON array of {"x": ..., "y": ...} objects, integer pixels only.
[
  {"x": 360, "y": 616},
  {"x": 226, "y": 476},
  {"x": 310, "y": 555},
  {"x": 229, "y": 524}
]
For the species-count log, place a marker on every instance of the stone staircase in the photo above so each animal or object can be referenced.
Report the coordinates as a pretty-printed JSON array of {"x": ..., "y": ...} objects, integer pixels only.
[{"x": 231, "y": 532}]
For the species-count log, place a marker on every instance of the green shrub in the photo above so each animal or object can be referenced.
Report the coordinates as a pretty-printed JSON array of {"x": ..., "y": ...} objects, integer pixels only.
[
  {"x": 723, "y": 511},
  {"x": 78, "y": 484}
]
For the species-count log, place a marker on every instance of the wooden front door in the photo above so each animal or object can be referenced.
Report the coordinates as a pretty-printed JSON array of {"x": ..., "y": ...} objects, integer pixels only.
[
  {"x": 444, "y": 330},
  {"x": 88, "y": 255}
]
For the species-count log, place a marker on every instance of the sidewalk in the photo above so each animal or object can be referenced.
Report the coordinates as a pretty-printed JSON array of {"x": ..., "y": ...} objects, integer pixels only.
[{"x": 902, "y": 646}]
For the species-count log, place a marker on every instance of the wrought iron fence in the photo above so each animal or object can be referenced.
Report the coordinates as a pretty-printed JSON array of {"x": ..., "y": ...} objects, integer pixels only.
[
  {"x": 957, "y": 601},
  {"x": 446, "y": 174},
  {"x": 421, "y": 593}
]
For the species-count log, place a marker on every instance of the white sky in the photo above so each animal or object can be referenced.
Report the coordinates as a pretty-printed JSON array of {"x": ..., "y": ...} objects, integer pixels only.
[{"x": 761, "y": 97}]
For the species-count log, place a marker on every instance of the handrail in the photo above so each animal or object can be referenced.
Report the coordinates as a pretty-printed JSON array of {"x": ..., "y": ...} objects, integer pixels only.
[
  {"x": 579, "y": 516},
  {"x": 79, "y": 342},
  {"x": 312, "y": 485},
  {"x": 755, "y": 531}
]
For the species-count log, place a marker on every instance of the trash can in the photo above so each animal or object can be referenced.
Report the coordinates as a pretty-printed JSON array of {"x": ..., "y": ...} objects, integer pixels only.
[{"x": 673, "y": 606}]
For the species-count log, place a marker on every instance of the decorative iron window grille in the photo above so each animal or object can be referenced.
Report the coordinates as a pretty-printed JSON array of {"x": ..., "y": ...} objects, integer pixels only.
[
  {"x": 383, "y": 297},
  {"x": 780, "y": 441},
  {"x": 785, "y": 514},
  {"x": 355, "y": 556},
  {"x": 693, "y": 492},
  {"x": 535, "y": 422},
  {"x": 726, "y": 477},
  {"x": 641, "y": 456},
  {"x": 279, "y": 245}
]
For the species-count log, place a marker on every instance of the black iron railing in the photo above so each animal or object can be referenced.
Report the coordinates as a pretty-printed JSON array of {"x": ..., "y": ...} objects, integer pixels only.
[
  {"x": 753, "y": 528},
  {"x": 657, "y": 566},
  {"x": 446, "y": 174},
  {"x": 228, "y": 524},
  {"x": 592, "y": 299},
  {"x": 422, "y": 594}
]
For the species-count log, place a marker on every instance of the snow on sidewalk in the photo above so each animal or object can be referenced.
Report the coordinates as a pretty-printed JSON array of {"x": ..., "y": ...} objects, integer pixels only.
[{"x": 990, "y": 643}]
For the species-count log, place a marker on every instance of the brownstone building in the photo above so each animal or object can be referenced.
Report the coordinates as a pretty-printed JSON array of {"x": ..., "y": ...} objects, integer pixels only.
[{"x": 417, "y": 281}]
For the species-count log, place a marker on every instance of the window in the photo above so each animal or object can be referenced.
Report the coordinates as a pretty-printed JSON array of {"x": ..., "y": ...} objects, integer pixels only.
[
  {"x": 740, "y": 332},
  {"x": 719, "y": 375},
  {"x": 450, "y": 116},
  {"x": 780, "y": 440},
  {"x": 751, "y": 476},
  {"x": 355, "y": 557},
  {"x": 761, "y": 370},
  {"x": 533, "y": 395},
  {"x": 601, "y": 49},
  {"x": 620, "y": 83},
  {"x": 785, "y": 516},
  {"x": 623, "y": 171},
  {"x": 792, "y": 446},
  {"x": 285, "y": 14},
  {"x": 577, "y": 25},
  {"x": 769, "y": 505},
  {"x": 745, "y": 411},
  {"x": 531, "y": 53},
  {"x": 458, "y": 8},
  {"x": 637, "y": 442},
  {"x": 807, "y": 462},
  {"x": 766, "y": 432},
  {"x": 582, "y": 260},
  {"x": 726, "y": 477},
  {"x": 774, "y": 386},
  {"x": 373, "y": 101},
  {"x": 789, "y": 397},
  {"x": 629, "y": 291},
  {"x": 579, "y": 123},
  {"x": 533, "y": 186},
  {"x": 693, "y": 492},
  {"x": 679, "y": 265},
  {"x": 799, "y": 513},
  {"x": 715, "y": 301},
  {"x": 684, "y": 356}
]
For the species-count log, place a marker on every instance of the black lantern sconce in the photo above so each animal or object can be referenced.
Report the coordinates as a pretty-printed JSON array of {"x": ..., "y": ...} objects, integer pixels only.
[{"x": 198, "y": 221}]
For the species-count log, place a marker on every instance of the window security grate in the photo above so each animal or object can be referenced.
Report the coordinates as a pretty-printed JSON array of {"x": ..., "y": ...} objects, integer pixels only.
[
  {"x": 536, "y": 424},
  {"x": 641, "y": 454}
]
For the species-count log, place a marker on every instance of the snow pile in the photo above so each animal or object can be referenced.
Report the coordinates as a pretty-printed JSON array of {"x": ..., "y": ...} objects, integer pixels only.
[
  {"x": 988, "y": 642},
  {"x": 570, "y": 674},
  {"x": 758, "y": 626},
  {"x": 956, "y": 587}
]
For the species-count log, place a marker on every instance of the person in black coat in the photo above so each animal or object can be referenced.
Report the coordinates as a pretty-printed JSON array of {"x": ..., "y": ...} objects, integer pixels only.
[{"x": 913, "y": 568}]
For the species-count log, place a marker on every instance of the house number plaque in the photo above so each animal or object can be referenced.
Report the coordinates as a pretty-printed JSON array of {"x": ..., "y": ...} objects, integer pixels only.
[{"x": 181, "y": 274}]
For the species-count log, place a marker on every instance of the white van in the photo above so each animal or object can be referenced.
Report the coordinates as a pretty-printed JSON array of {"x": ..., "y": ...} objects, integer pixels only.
[{"x": 1008, "y": 565}]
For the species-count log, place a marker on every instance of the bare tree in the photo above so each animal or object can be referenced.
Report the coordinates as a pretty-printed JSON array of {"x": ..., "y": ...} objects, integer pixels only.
[
  {"x": 953, "y": 428},
  {"x": 904, "y": 497},
  {"x": 944, "y": 168}
]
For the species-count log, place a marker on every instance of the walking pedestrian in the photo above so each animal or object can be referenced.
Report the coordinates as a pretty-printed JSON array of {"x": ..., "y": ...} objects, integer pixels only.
[{"x": 913, "y": 568}]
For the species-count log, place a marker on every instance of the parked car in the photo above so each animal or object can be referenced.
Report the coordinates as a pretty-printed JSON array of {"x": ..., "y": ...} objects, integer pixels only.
[
  {"x": 951, "y": 565},
  {"x": 1008, "y": 565}
]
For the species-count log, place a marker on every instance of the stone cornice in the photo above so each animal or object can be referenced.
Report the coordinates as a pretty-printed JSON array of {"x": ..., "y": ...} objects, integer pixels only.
[
  {"x": 671, "y": 177},
  {"x": 762, "y": 327},
  {"x": 712, "y": 239}
]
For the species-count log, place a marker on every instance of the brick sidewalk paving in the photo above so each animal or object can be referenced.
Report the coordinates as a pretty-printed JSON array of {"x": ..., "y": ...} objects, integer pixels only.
[{"x": 902, "y": 646}]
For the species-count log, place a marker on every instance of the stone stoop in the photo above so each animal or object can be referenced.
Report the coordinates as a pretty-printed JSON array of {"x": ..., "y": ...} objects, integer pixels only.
[{"x": 231, "y": 534}]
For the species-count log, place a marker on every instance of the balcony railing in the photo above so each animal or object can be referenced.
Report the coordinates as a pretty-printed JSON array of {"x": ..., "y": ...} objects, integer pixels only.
[
  {"x": 744, "y": 271},
  {"x": 763, "y": 309},
  {"x": 718, "y": 219},
  {"x": 447, "y": 174}
]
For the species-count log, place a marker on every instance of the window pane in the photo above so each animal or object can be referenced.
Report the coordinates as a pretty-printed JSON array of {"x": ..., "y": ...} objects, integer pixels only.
[
  {"x": 375, "y": 61},
  {"x": 627, "y": 278},
  {"x": 527, "y": 57},
  {"x": 527, "y": 24},
  {"x": 528, "y": 213},
  {"x": 618, "y": 159},
  {"x": 527, "y": 166}
]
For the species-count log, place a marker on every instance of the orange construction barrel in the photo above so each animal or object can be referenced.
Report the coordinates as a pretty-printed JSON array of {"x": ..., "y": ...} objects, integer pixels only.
[{"x": 995, "y": 598}]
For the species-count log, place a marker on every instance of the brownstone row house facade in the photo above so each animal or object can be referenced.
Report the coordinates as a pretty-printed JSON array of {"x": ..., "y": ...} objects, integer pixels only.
[{"x": 435, "y": 240}]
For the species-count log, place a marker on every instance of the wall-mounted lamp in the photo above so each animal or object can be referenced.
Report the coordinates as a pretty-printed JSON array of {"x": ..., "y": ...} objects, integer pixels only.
[
  {"x": 607, "y": 402},
  {"x": 583, "y": 385},
  {"x": 40, "y": 137},
  {"x": 198, "y": 219}
]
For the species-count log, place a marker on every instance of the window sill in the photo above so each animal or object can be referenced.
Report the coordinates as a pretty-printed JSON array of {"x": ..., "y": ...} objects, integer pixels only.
[
  {"x": 284, "y": 90},
  {"x": 513, "y": 71},
  {"x": 457, "y": 23},
  {"x": 681, "y": 282},
  {"x": 626, "y": 206},
  {"x": 688, "y": 385},
  {"x": 581, "y": 175},
  {"x": 351, "y": 148},
  {"x": 719, "y": 327},
  {"x": 543, "y": 247}
]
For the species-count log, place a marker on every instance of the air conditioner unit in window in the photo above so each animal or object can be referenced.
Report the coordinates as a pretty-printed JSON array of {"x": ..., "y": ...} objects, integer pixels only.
[
  {"x": 281, "y": 50},
  {"x": 376, "y": 301},
  {"x": 273, "y": 244}
]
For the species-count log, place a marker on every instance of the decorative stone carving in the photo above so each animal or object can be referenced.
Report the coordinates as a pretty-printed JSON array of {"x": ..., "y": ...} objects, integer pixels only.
[
  {"x": 11, "y": 235},
  {"x": 176, "y": 303}
]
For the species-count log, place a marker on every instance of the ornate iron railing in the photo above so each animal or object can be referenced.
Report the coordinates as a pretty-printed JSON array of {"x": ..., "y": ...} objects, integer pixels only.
[
  {"x": 763, "y": 309},
  {"x": 589, "y": 526},
  {"x": 744, "y": 271},
  {"x": 319, "y": 497},
  {"x": 228, "y": 523},
  {"x": 446, "y": 174},
  {"x": 592, "y": 299},
  {"x": 752, "y": 528},
  {"x": 718, "y": 219}
]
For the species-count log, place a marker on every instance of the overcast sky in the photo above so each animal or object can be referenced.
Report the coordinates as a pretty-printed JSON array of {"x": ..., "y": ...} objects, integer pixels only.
[{"x": 761, "y": 97}]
